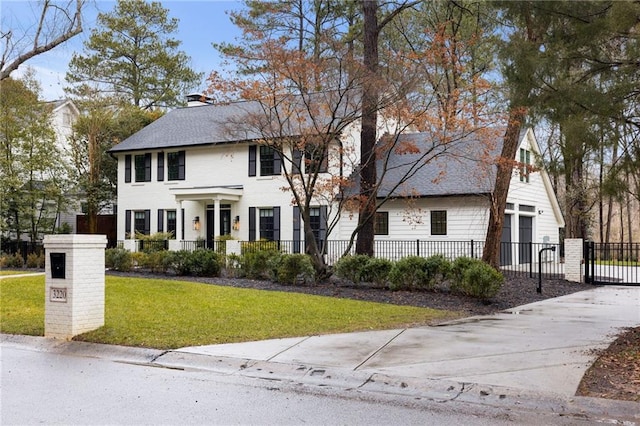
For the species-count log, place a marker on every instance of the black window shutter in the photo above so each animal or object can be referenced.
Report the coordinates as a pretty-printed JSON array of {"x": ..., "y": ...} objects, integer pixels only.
[
  {"x": 147, "y": 167},
  {"x": 296, "y": 229},
  {"x": 181, "y": 165},
  {"x": 160, "y": 166},
  {"x": 147, "y": 222},
  {"x": 297, "y": 161},
  {"x": 127, "y": 221},
  {"x": 252, "y": 223},
  {"x": 276, "y": 223},
  {"x": 160, "y": 220},
  {"x": 182, "y": 223},
  {"x": 277, "y": 163},
  {"x": 324, "y": 164},
  {"x": 253, "y": 154},
  {"x": 323, "y": 227},
  {"x": 127, "y": 168}
]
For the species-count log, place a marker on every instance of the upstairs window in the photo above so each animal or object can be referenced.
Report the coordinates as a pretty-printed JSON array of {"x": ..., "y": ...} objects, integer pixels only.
[
  {"x": 143, "y": 167},
  {"x": 316, "y": 160},
  {"x": 438, "y": 222},
  {"x": 269, "y": 161},
  {"x": 176, "y": 165}
]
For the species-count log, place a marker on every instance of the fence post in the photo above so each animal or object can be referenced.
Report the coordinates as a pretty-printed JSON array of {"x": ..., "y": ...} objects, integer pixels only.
[
  {"x": 530, "y": 243},
  {"x": 417, "y": 247},
  {"x": 575, "y": 250},
  {"x": 472, "y": 255}
]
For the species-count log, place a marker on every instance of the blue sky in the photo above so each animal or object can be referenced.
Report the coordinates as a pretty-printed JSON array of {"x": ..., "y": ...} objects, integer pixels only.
[{"x": 201, "y": 23}]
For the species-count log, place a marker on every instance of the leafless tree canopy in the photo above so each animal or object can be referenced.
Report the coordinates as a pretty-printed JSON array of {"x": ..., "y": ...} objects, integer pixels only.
[{"x": 21, "y": 41}]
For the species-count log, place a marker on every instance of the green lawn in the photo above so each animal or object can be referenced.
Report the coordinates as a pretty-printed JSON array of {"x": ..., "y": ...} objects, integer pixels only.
[
  {"x": 5, "y": 272},
  {"x": 169, "y": 314}
]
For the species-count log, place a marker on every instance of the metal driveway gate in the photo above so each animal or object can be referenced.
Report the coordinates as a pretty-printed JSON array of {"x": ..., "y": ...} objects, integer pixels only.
[{"x": 612, "y": 263}]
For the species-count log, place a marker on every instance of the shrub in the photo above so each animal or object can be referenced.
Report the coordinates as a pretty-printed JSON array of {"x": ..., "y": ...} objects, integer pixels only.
[
  {"x": 292, "y": 268},
  {"x": 12, "y": 261},
  {"x": 259, "y": 263},
  {"x": 118, "y": 259},
  {"x": 158, "y": 261},
  {"x": 438, "y": 268},
  {"x": 458, "y": 267},
  {"x": 205, "y": 263},
  {"x": 350, "y": 267},
  {"x": 233, "y": 266},
  {"x": 139, "y": 258},
  {"x": 376, "y": 270},
  {"x": 482, "y": 281},
  {"x": 182, "y": 263},
  {"x": 409, "y": 273},
  {"x": 35, "y": 260},
  {"x": 260, "y": 245}
]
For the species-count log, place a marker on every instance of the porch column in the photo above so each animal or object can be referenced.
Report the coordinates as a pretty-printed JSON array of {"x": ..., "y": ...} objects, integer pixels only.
[
  {"x": 179, "y": 220},
  {"x": 216, "y": 218}
]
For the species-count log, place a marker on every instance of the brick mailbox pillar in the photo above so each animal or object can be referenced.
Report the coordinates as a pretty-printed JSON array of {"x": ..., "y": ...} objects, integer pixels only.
[{"x": 74, "y": 284}]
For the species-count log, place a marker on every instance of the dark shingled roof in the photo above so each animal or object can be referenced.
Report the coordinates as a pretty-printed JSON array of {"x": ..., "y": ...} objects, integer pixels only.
[
  {"x": 191, "y": 126},
  {"x": 241, "y": 121},
  {"x": 430, "y": 169}
]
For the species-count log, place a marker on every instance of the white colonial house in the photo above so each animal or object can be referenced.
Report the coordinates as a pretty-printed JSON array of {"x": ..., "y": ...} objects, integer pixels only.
[{"x": 186, "y": 174}]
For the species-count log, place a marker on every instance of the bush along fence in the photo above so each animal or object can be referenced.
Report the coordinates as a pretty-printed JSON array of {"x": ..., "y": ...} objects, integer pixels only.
[{"x": 516, "y": 259}]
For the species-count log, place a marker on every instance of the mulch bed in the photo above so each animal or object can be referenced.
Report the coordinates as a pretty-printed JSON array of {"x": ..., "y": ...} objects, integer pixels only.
[{"x": 516, "y": 291}]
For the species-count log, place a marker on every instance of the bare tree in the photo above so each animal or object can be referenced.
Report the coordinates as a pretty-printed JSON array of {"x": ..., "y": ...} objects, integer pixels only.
[{"x": 57, "y": 23}]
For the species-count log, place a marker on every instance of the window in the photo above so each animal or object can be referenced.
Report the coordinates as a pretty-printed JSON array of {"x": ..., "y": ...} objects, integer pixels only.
[
  {"x": 526, "y": 208},
  {"x": 143, "y": 167},
  {"x": 269, "y": 161},
  {"x": 381, "y": 223},
  {"x": 315, "y": 221},
  {"x": 315, "y": 160},
  {"x": 176, "y": 165},
  {"x": 525, "y": 161},
  {"x": 141, "y": 222},
  {"x": 171, "y": 222},
  {"x": 266, "y": 224},
  {"x": 438, "y": 222}
]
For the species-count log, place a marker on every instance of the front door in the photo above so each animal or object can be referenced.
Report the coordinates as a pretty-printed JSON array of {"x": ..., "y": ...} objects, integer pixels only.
[
  {"x": 525, "y": 233},
  {"x": 225, "y": 223}
]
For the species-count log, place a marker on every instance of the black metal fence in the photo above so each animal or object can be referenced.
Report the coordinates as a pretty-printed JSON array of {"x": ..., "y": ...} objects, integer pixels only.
[
  {"x": 516, "y": 259},
  {"x": 23, "y": 248},
  {"x": 612, "y": 263}
]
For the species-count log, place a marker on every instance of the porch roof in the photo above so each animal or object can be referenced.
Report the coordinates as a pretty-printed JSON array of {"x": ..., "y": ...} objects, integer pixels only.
[{"x": 222, "y": 193}]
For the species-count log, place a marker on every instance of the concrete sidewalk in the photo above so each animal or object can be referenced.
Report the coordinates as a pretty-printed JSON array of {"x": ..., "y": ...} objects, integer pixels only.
[{"x": 544, "y": 346}]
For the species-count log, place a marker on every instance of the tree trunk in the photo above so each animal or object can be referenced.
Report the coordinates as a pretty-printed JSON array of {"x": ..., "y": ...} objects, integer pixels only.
[
  {"x": 498, "y": 201},
  {"x": 368, "y": 177}
]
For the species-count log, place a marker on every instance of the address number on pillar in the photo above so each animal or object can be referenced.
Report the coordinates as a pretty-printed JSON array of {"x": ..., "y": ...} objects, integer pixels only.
[{"x": 58, "y": 294}]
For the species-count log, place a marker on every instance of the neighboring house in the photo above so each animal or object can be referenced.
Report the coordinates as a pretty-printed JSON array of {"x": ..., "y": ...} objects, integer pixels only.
[
  {"x": 64, "y": 114},
  {"x": 188, "y": 174},
  {"x": 72, "y": 219}
]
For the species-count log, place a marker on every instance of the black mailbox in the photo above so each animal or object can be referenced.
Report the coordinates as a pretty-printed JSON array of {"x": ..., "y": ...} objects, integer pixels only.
[{"x": 58, "y": 265}]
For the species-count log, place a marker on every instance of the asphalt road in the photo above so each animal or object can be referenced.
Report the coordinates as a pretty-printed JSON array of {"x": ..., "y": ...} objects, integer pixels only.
[{"x": 39, "y": 387}]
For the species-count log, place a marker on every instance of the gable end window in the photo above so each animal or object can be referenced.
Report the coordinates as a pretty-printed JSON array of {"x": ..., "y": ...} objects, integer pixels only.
[
  {"x": 176, "y": 165},
  {"x": 438, "y": 222},
  {"x": 143, "y": 167},
  {"x": 381, "y": 223},
  {"x": 525, "y": 161}
]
